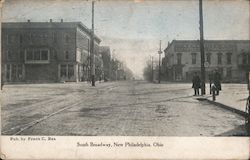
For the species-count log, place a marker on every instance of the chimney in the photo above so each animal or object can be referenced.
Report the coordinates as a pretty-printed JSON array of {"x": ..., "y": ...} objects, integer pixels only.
[
  {"x": 50, "y": 20},
  {"x": 28, "y": 20},
  {"x": 61, "y": 20}
]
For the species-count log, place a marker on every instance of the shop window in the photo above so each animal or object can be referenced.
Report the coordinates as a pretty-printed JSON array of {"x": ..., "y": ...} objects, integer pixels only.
[
  {"x": 70, "y": 71},
  {"x": 8, "y": 72},
  {"x": 67, "y": 71},
  {"x": 63, "y": 71}
]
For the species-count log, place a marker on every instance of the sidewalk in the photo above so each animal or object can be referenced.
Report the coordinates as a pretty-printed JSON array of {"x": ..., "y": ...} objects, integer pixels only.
[{"x": 232, "y": 97}]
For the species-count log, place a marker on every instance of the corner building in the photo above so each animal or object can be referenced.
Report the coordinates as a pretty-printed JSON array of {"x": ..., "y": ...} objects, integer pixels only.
[
  {"x": 230, "y": 57},
  {"x": 46, "y": 51}
]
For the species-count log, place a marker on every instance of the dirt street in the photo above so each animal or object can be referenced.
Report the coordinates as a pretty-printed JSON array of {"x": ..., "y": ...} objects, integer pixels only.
[{"x": 125, "y": 108}]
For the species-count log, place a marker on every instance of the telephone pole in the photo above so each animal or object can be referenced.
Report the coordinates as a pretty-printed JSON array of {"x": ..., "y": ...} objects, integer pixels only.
[
  {"x": 203, "y": 90},
  {"x": 159, "y": 52},
  {"x": 152, "y": 68},
  {"x": 92, "y": 50}
]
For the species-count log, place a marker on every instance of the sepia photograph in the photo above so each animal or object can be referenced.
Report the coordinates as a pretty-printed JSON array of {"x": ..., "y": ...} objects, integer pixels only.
[{"x": 126, "y": 69}]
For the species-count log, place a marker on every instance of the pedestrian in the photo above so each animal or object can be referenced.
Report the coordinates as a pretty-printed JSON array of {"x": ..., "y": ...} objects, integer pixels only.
[
  {"x": 217, "y": 81},
  {"x": 210, "y": 77},
  {"x": 196, "y": 84}
]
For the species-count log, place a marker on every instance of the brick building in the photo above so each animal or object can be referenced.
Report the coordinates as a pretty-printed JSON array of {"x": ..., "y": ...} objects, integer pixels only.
[
  {"x": 46, "y": 51},
  {"x": 230, "y": 57}
]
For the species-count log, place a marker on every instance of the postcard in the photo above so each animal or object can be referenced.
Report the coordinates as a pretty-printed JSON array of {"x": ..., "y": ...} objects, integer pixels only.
[{"x": 126, "y": 79}]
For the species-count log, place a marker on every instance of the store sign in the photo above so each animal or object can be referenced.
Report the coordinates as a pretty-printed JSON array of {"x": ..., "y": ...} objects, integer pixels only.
[{"x": 195, "y": 47}]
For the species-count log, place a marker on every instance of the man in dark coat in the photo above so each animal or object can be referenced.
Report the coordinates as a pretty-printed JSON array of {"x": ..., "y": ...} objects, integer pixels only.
[
  {"x": 196, "y": 84},
  {"x": 217, "y": 81}
]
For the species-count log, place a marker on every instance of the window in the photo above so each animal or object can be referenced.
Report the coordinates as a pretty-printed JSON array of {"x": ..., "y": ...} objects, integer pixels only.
[
  {"x": 209, "y": 58},
  {"x": 244, "y": 58},
  {"x": 63, "y": 71},
  {"x": 66, "y": 55},
  {"x": 29, "y": 54},
  {"x": 229, "y": 73},
  {"x": 21, "y": 39},
  {"x": 9, "y": 55},
  {"x": 193, "y": 58},
  {"x": 248, "y": 58},
  {"x": 70, "y": 71},
  {"x": 54, "y": 37},
  {"x": 44, "y": 55},
  {"x": 10, "y": 39},
  {"x": 31, "y": 38},
  {"x": 178, "y": 58},
  {"x": 21, "y": 55},
  {"x": 66, "y": 38},
  {"x": 8, "y": 70},
  {"x": 37, "y": 55},
  {"x": 67, "y": 71},
  {"x": 219, "y": 58},
  {"x": 229, "y": 57}
]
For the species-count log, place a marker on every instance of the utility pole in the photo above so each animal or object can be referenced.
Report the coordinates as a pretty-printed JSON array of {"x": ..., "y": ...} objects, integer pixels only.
[
  {"x": 203, "y": 90},
  {"x": 159, "y": 52},
  {"x": 152, "y": 68},
  {"x": 92, "y": 50}
]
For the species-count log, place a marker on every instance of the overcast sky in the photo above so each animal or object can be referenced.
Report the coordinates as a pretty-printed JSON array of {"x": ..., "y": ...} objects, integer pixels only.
[{"x": 133, "y": 29}]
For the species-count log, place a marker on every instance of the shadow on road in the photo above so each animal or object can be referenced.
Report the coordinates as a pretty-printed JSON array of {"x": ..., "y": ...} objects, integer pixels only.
[{"x": 237, "y": 131}]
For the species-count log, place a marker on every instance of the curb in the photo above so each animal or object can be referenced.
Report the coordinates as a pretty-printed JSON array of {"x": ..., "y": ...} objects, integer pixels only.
[{"x": 242, "y": 113}]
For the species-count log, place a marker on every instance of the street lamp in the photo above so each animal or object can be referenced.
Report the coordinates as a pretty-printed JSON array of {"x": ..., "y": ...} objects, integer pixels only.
[{"x": 159, "y": 52}]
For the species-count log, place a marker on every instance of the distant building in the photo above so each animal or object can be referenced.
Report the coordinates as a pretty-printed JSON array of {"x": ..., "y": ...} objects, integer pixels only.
[
  {"x": 230, "y": 57},
  {"x": 46, "y": 51}
]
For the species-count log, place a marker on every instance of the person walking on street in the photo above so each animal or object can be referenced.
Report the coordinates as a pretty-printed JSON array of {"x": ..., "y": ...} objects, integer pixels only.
[
  {"x": 217, "y": 81},
  {"x": 196, "y": 84}
]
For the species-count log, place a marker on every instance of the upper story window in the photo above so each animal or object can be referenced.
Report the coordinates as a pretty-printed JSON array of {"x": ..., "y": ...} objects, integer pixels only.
[
  {"x": 229, "y": 58},
  {"x": 10, "y": 38},
  {"x": 194, "y": 58},
  {"x": 66, "y": 56},
  {"x": 67, "y": 38},
  {"x": 21, "y": 55},
  {"x": 54, "y": 37},
  {"x": 244, "y": 58},
  {"x": 37, "y": 56},
  {"x": 179, "y": 58},
  {"x": 209, "y": 58},
  {"x": 21, "y": 39},
  {"x": 9, "y": 55},
  {"x": 219, "y": 58}
]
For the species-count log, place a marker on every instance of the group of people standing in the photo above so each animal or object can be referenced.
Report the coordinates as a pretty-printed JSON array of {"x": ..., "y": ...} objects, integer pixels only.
[{"x": 214, "y": 83}]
